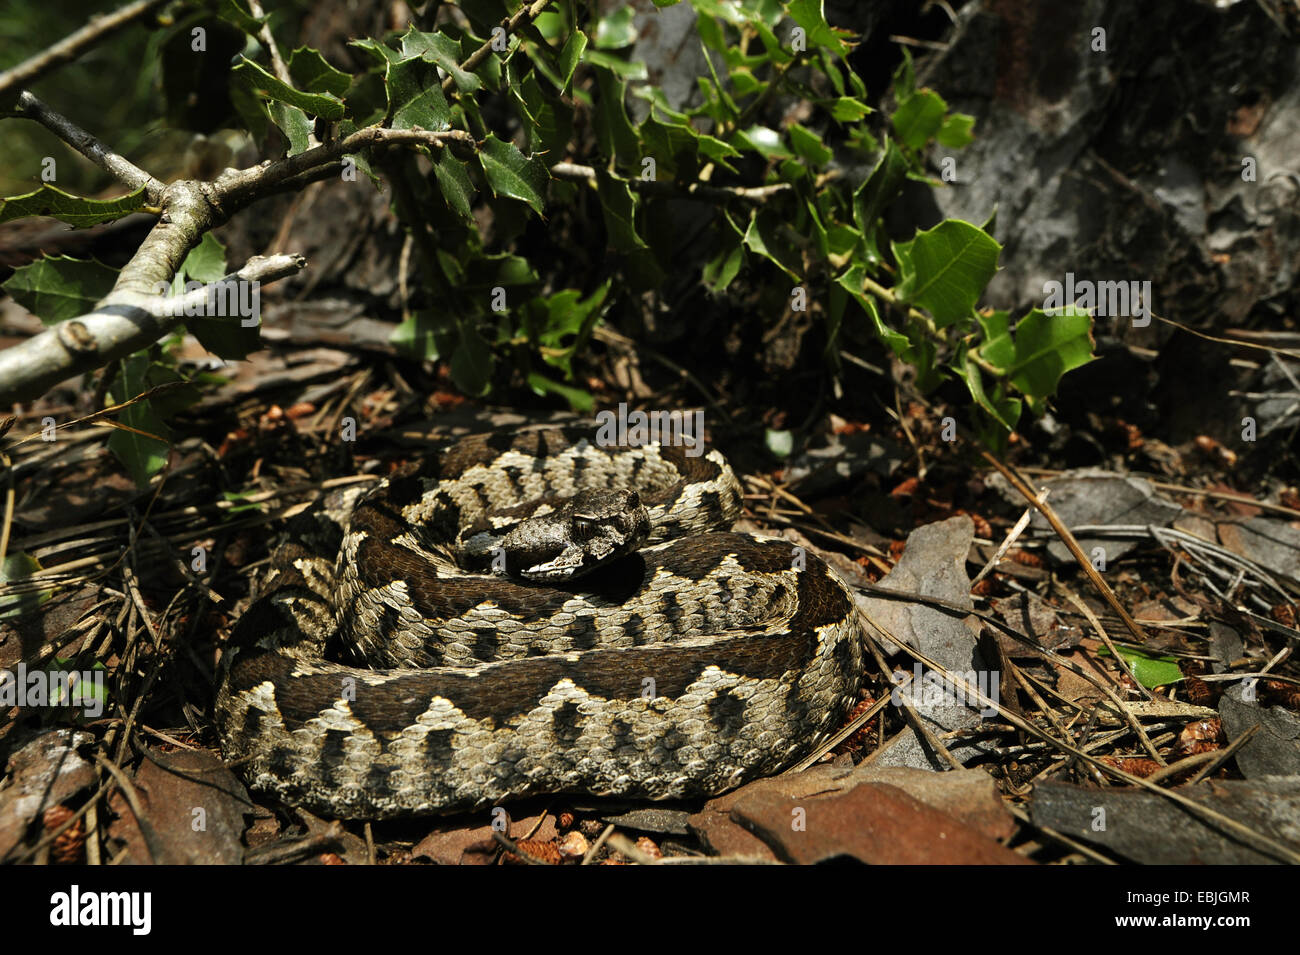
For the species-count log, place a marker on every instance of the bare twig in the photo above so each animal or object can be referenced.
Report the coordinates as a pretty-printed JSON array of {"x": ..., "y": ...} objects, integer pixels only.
[
  {"x": 122, "y": 323},
  {"x": 696, "y": 190},
  {"x": 527, "y": 13},
  {"x": 1068, "y": 539},
  {"x": 272, "y": 48},
  {"x": 74, "y": 44},
  {"x": 119, "y": 167}
]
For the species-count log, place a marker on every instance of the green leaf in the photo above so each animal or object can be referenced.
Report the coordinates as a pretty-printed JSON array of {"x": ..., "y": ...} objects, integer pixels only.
[
  {"x": 415, "y": 96},
  {"x": 549, "y": 119},
  {"x": 808, "y": 145},
  {"x": 614, "y": 130},
  {"x": 512, "y": 174},
  {"x": 1047, "y": 346},
  {"x": 58, "y": 288},
  {"x": 945, "y": 269},
  {"x": 143, "y": 456},
  {"x": 504, "y": 269},
  {"x": 562, "y": 322},
  {"x": 904, "y": 77},
  {"x": 379, "y": 52},
  {"x": 674, "y": 148},
  {"x": 632, "y": 71},
  {"x": 765, "y": 237},
  {"x": 424, "y": 336},
  {"x": 876, "y": 192},
  {"x": 764, "y": 141},
  {"x": 15, "y": 567},
  {"x": 571, "y": 55},
  {"x": 851, "y": 282},
  {"x": 579, "y": 399},
  {"x": 240, "y": 504},
  {"x": 849, "y": 110},
  {"x": 617, "y": 30},
  {"x": 455, "y": 183},
  {"x": 776, "y": 53},
  {"x": 325, "y": 105},
  {"x": 440, "y": 49},
  {"x": 956, "y": 131},
  {"x": 809, "y": 15},
  {"x": 295, "y": 125},
  {"x": 74, "y": 210},
  {"x": 311, "y": 71},
  {"x": 1149, "y": 670},
  {"x": 206, "y": 261},
  {"x": 1004, "y": 409},
  {"x": 484, "y": 14},
  {"x": 219, "y": 324},
  {"x": 719, "y": 271},
  {"x": 618, "y": 205},
  {"x": 780, "y": 444},
  {"x": 919, "y": 118},
  {"x": 236, "y": 12},
  {"x": 471, "y": 362},
  {"x": 997, "y": 348}
]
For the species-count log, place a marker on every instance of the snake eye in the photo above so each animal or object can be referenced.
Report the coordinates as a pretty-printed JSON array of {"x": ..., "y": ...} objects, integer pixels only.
[{"x": 583, "y": 529}]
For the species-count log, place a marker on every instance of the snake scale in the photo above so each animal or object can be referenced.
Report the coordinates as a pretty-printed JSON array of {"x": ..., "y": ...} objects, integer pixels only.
[{"x": 403, "y": 659}]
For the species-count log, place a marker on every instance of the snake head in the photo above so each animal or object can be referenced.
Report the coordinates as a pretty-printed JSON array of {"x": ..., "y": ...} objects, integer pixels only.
[{"x": 587, "y": 531}]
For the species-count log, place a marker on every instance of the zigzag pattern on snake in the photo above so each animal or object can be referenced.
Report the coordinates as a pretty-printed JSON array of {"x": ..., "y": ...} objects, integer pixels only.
[{"x": 699, "y": 662}]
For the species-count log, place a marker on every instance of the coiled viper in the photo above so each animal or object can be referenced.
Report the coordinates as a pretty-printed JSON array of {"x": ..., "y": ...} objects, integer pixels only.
[{"x": 685, "y": 668}]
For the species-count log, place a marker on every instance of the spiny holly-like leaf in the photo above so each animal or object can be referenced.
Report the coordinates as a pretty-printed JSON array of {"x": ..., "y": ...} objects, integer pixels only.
[
  {"x": 810, "y": 15},
  {"x": 618, "y": 205},
  {"x": 997, "y": 348},
  {"x": 919, "y": 118},
  {"x": 442, "y": 50},
  {"x": 614, "y": 130},
  {"x": 58, "y": 288},
  {"x": 294, "y": 123},
  {"x": 851, "y": 282},
  {"x": 379, "y": 52},
  {"x": 454, "y": 182},
  {"x": 225, "y": 335},
  {"x": 956, "y": 131},
  {"x": 1004, "y": 409},
  {"x": 946, "y": 269},
  {"x": 719, "y": 271},
  {"x": 548, "y": 119},
  {"x": 313, "y": 73},
  {"x": 141, "y": 446},
  {"x": 809, "y": 145},
  {"x": 765, "y": 237},
  {"x": 876, "y": 192},
  {"x": 1047, "y": 346},
  {"x": 206, "y": 261},
  {"x": 562, "y": 322},
  {"x": 325, "y": 105},
  {"x": 571, "y": 55},
  {"x": 849, "y": 110},
  {"x": 236, "y": 12},
  {"x": 74, "y": 210},
  {"x": 616, "y": 30},
  {"x": 415, "y": 96},
  {"x": 510, "y": 173}
]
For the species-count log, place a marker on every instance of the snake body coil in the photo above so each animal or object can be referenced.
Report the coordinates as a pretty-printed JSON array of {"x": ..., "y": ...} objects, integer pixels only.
[{"x": 701, "y": 661}]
